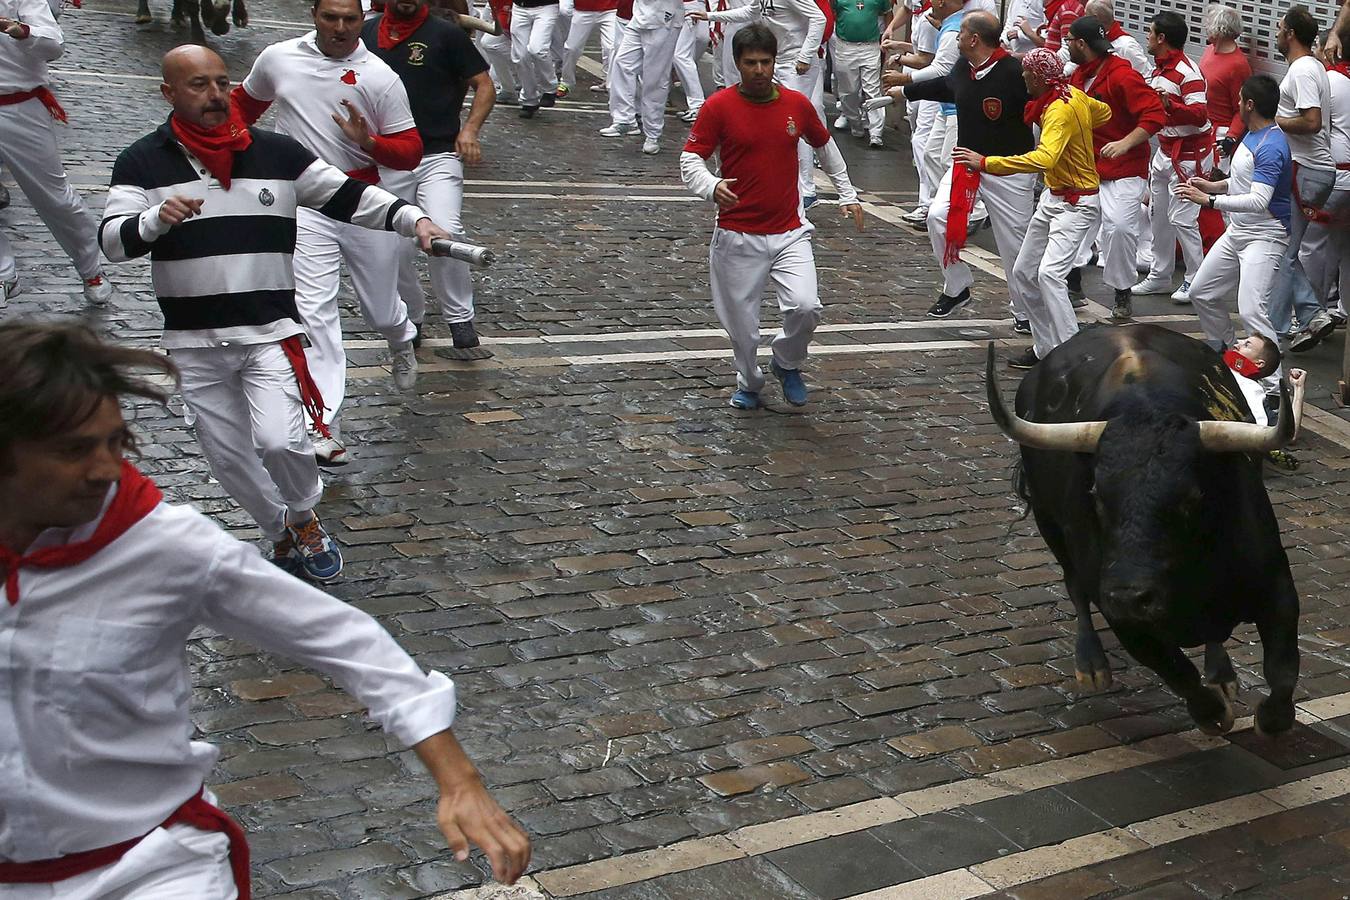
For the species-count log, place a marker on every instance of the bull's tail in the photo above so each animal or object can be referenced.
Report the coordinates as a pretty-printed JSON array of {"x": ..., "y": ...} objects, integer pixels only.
[{"x": 1022, "y": 490}]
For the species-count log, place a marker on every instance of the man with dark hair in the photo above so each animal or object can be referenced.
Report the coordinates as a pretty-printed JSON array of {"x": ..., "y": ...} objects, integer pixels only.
[
  {"x": 220, "y": 255},
  {"x": 1185, "y": 142},
  {"x": 1304, "y": 115},
  {"x": 103, "y": 583},
  {"x": 348, "y": 108},
  {"x": 987, "y": 88},
  {"x": 761, "y": 234},
  {"x": 437, "y": 63},
  {"x": 1122, "y": 151},
  {"x": 1256, "y": 200},
  {"x": 1068, "y": 208}
]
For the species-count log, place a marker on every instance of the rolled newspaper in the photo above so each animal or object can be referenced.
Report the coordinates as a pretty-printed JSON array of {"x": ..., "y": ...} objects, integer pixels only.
[
  {"x": 877, "y": 103},
  {"x": 469, "y": 253},
  {"x": 473, "y": 23}
]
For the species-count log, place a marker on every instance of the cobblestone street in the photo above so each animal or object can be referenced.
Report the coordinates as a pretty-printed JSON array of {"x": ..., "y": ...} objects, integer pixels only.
[{"x": 810, "y": 653}]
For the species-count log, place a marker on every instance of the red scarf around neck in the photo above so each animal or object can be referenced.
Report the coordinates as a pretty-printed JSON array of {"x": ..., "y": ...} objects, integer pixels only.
[
  {"x": 395, "y": 30},
  {"x": 1114, "y": 31},
  {"x": 1088, "y": 70},
  {"x": 136, "y": 497},
  {"x": 999, "y": 53},
  {"x": 1037, "y": 106},
  {"x": 215, "y": 147},
  {"x": 1343, "y": 67}
]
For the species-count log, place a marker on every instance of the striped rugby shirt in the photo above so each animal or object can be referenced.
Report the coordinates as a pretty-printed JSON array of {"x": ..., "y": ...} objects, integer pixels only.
[
  {"x": 225, "y": 276},
  {"x": 1179, "y": 80}
]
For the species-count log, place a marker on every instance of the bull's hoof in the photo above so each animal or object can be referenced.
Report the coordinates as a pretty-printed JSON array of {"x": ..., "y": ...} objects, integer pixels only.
[
  {"x": 1092, "y": 682},
  {"x": 144, "y": 18},
  {"x": 240, "y": 18},
  {"x": 177, "y": 20},
  {"x": 1229, "y": 688},
  {"x": 1272, "y": 718},
  {"x": 1212, "y": 712},
  {"x": 220, "y": 21}
]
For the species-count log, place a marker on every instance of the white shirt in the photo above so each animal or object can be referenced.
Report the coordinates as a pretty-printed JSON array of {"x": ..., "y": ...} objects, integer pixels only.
[
  {"x": 23, "y": 63},
  {"x": 95, "y": 731},
  {"x": 1130, "y": 50},
  {"x": 1340, "y": 127},
  {"x": 307, "y": 88},
  {"x": 648, "y": 14},
  {"x": 799, "y": 25},
  {"x": 1305, "y": 86},
  {"x": 944, "y": 58},
  {"x": 1031, "y": 10},
  {"x": 1241, "y": 184}
]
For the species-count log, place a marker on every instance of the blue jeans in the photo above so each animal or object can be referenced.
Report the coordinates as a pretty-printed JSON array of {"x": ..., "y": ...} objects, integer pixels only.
[{"x": 1291, "y": 295}]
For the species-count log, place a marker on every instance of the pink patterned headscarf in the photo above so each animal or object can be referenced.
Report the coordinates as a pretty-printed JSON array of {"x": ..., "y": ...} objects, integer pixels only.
[{"x": 1049, "y": 66}]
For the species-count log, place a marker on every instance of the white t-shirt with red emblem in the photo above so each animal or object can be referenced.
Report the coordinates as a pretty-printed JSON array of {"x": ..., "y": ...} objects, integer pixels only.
[{"x": 306, "y": 88}]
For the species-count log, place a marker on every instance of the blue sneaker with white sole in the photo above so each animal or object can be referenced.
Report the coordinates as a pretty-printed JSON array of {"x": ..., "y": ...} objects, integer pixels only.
[
  {"x": 794, "y": 388},
  {"x": 318, "y": 552},
  {"x": 809, "y": 201},
  {"x": 745, "y": 400}
]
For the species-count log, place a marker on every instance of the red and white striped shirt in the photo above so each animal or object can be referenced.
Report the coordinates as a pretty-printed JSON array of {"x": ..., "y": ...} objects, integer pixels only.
[
  {"x": 1182, "y": 88},
  {"x": 1059, "y": 15}
]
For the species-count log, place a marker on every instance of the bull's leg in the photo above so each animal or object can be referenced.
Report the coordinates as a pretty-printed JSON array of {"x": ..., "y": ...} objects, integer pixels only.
[
  {"x": 179, "y": 17},
  {"x": 143, "y": 16},
  {"x": 240, "y": 14},
  {"x": 1091, "y": 670},
  {"x": 1278, "y": 626},
  {"x": 193, "y": 8},
  {"x": 217, "y": 14},
  {"x": 1219, "y": 669},
  {"x": 1207, "y": 705}
]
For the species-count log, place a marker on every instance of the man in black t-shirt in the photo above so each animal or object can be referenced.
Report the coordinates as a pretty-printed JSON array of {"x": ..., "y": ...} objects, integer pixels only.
[
  {"x": 987, "y": 87},
  {"x": 437, "y": 63}
]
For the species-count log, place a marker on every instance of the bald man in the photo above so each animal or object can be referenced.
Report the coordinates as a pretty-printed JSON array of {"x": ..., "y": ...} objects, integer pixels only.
[{"x": 213, "y": 202}]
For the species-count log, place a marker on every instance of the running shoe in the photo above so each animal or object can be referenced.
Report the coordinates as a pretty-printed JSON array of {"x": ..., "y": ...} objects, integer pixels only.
[
  {"x": 946, "y": 305},
  {"x": 794, "y": 388},
  {"x": 403, "y": 366},
  {"x": 319, "y": 553},
  {"x": 1182, "y": 295},
  {"x": 744, "y": 399},
  {"x": 286, "y": 558},
  {"x": 97, "y": 290},
  {"x": 463, "y": 336}
]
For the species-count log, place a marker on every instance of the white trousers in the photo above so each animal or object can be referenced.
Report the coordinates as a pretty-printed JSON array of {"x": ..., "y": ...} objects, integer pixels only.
[
  {"x": 810, "y": 84},
  {"x": 937, "y": 153},
  {"x": 496, "y": 50},
  {"x": 693, "y": 40},
  {"x": 1242, "y": 258},
  {"x": 436, "y": 186},
  {"x": 583, "y": 23},
  {"x": 646, "y": 54},
  {"x": 926, "y": 114},
  {"x": 321, "y": 246},
  {"x": 1325, "y": 250},
  {"x": 1009, "y": 200},
  {"x": 857, "y": 78},
  {"x": 532, "y": 50},
  {"x": 28, "y": 149},
  {"x": 169, "y": 864},
  {"x": 725, "y": 73},
  {"x": 245, "y": 404},
  {"x": 739, "y": 264},
  {"x": 1172, "y": 220},
  {"x": 1042, "y": 268},
  {"x": 1117, "y": 238}
]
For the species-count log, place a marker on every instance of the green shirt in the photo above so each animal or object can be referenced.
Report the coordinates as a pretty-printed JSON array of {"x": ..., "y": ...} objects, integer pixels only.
[{"x": 856, "y": 20}]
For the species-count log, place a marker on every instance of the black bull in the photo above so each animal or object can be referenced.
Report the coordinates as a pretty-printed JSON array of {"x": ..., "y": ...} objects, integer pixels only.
[{"x": 1142, "y": 466}]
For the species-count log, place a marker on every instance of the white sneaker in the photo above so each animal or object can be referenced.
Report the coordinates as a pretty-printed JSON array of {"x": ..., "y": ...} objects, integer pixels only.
[
  {"x": 841, "y": 123},
  {"x": 651, "y": 146},
  {"x": 328, "y": 451},
  {"x": 688, "y": 115},
  {"x": 599, "y": 88},
  {"x": 98, "y": 290},
  {"x": 1183, "y": 293},
  {"x": 403, "y": 364},
  {"x": 876, "y": 143},
  {"x": 1151, "y": 286},
  {"x": 619, "y": 129},
  {"x": 917, "y": 216}
]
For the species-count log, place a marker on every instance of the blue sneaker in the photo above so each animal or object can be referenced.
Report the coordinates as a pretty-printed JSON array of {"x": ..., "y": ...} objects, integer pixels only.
[
  {"x": 745, "y": 400},
  {"x": 794, "y": 389},
  {"x": 319, "y": 553},
  {"x": 809, "y": 201},
  {"x": 286, "y": 558}
]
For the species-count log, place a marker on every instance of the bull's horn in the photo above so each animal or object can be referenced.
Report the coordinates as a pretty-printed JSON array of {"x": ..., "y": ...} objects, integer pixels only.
[
  {"x": 1245, "y": 437},
  {"x": 1071, "y": 437}
]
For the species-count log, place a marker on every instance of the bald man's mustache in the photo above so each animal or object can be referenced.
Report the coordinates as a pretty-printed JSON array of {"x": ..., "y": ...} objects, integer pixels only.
[{"x": 216, "y": 106}]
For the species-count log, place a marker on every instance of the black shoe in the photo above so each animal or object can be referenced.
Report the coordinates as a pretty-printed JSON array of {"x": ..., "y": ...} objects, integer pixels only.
[
  {"x": 463, "y": 336},
  {"x": 1075, "y": 282},
  {"x": 417, "y": 338},
  {"x": 1122, "y": 308},
  {"x": 548, "y": 99},
  {"x": 1022, "y": 326},
  {"x": 945, "y": 305},
  {"x": 527, "y": 112},
  {"x": 4, "y": 196},
  {"x": 1026, "y": 360}
]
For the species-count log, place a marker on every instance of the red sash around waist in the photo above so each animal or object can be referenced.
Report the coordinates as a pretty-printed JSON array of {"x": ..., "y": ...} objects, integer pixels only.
[
  {"x": 197, "y": 812},
  {"x": 1073, "y": 195},
  {"x": 41, "y": 93}
]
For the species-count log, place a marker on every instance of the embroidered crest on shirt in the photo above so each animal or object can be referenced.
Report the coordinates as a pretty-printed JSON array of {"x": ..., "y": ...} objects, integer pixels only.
[
  {"x": 791, "y": 127},
  {"x": 993, "y": 108},
  {"x": 266, "y": 197},
  {"x": 348, "y": 77},
  {"x": 417, "y": 54}
]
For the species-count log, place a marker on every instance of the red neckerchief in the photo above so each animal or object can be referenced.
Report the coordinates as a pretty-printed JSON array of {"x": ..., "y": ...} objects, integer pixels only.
[
  {"x": 1088, "y": 70},
  {"x": 1242, "y": 365},
  {"x": 215, "y": 147},
  {"x": 1036, "y": 107},
  {"x": 965, "y": 188},
  {"x": 999, "y": 53},
  {"x": 1343, "y": 67},
  {"x": 394, "y": 30},
  {"x": 1115, "y": 31},
  {"x": 136, "y": 497}
]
